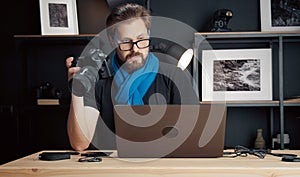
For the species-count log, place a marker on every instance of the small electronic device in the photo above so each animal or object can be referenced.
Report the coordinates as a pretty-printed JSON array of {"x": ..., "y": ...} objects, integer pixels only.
[
  {"x": 50, "y": 156},
  {"x": 289, "y": 158},
  {"x": 96, "y": 154},
  {"x": 220, "y": 20}
]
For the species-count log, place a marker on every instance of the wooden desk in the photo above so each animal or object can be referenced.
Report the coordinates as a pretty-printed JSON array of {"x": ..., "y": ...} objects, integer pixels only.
[{"x": 250, "y": 166}]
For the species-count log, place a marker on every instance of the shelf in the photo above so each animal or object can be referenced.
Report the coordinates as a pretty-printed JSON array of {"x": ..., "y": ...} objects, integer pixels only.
[
  {"x": 292, "y": 102},
  {"x": 261, "y": 39},
  {"x": 288, "y": 102},
  {"x": 258, "y": 103},
  {"x": 55, "y": 36},
  {"x": 81, "y": 37},
  {"x": 45, "y": 107},
  {"x": 250, "y": 34}
]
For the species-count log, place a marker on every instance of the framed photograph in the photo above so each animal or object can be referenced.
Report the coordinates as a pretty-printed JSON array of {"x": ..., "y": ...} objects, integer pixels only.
[
  {"x": 58, "y": 17},
  {"x": 280, "y": 15},
  {"x": 237, "y": 74}
]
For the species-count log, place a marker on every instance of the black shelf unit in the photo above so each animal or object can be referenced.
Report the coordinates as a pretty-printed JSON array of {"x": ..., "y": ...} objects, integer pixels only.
[
  {"x": 278, "y": 42},
  {"x": 42, "y": 59}
]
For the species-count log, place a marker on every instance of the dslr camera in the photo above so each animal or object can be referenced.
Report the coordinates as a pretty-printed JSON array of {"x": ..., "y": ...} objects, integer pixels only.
[
  {"x": 93, "y": 66},
  {"x": 47, "y": 91}
]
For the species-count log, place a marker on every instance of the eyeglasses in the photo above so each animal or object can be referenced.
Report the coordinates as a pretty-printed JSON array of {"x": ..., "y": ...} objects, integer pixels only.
[{"x": 141, "y": 44}]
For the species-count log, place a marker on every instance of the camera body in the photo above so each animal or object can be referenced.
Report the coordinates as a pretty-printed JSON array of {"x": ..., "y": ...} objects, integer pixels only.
[
  {"x": 47, "y": 91},
  {"x": 93, "y": 66},
  {"x": 220, "y": 20}
]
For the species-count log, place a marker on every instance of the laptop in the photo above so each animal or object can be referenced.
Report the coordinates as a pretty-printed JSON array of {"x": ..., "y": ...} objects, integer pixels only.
[{"x": 170, "y": 130}]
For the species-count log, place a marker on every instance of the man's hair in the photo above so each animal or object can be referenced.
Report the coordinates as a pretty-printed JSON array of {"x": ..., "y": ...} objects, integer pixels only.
[{"x": 125, "y": 12}]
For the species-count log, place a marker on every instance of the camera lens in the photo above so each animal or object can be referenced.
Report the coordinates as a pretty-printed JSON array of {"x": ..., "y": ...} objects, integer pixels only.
[{"x": 83, "y": 81}]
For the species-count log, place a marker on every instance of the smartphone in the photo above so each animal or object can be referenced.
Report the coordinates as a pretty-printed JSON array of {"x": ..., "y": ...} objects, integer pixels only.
[{"x": 96, "y": 154}]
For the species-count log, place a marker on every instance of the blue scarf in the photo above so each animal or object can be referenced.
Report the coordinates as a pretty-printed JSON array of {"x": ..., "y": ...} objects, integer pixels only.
[{"x": 132, "y": 87}]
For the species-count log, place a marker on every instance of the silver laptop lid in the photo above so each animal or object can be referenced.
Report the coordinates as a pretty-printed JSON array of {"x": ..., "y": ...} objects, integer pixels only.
[{"x": 170, "y": 130}]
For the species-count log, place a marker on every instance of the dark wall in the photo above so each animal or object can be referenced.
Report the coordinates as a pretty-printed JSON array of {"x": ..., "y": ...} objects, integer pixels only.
[
  {"x": 22, "y": 17},
  {"x": 92, "y": 15},
  {"x": 197, "y": 14},
  {"x": 17, "y": 17}
]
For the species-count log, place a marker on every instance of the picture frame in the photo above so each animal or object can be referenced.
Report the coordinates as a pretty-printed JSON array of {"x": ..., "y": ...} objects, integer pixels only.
[
  {"x": 237, "y": 74},
  {"x": 276, "y": 16},
  {"x": 58, "y": 17}
]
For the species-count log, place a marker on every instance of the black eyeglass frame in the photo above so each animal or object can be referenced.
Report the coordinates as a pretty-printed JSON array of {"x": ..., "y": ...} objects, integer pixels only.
[{"x": 134, "y": 43}]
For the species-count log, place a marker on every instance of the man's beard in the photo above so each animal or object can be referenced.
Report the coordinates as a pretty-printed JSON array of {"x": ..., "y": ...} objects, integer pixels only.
[{"x": 131, "y": 66}]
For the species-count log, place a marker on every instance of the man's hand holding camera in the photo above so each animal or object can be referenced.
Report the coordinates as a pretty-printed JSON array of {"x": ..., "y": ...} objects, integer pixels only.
[
  {"x": 71, "y": 69},
  {"x": 77, "y": 121}
]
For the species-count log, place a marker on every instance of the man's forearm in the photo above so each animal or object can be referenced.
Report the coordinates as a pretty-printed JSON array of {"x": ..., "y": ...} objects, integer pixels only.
[{"x": 82, "y": 122}]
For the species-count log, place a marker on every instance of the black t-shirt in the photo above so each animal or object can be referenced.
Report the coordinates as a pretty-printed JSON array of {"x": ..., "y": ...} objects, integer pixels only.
[{"x": 171, "y": 86}]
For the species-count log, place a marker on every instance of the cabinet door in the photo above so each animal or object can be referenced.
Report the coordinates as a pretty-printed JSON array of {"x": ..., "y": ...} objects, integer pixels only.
[
  {"x": 49, "y": 128},
  {"x": 42, "y": 59},
  {"x": 8, "y": 134}
]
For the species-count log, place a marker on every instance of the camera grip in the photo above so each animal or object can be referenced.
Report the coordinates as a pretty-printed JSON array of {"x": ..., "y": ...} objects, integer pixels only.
[{"x": 74, "y": 62}]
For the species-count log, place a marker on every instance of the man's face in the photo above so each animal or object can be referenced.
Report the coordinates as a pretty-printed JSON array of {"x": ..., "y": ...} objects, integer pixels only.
[{"x": 132, "y": 31}]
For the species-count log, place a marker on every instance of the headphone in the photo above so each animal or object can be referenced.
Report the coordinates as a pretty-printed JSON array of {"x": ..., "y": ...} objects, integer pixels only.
[{"x": 290, "y": 158}]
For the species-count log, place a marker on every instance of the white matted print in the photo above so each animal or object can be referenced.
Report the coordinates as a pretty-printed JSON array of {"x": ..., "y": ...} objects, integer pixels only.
[
  {"x": 237, "y": 75},
  {"x": 280, "y": 15},
  {"x": 58, "y": 17}
]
